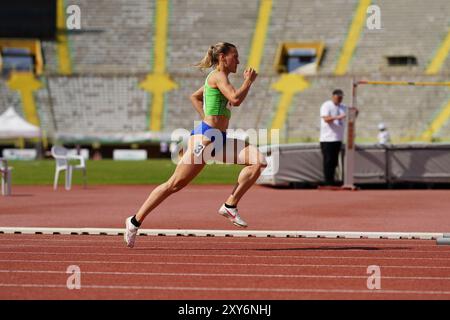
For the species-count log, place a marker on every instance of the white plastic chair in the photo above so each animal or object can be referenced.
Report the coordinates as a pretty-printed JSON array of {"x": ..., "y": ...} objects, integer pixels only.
[
  {"x": 62, "y": 163},
  {"x": 5, "y": 172}
]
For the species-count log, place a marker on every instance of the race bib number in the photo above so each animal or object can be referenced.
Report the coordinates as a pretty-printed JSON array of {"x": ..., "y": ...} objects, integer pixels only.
[{"x": 198, "y": 149}]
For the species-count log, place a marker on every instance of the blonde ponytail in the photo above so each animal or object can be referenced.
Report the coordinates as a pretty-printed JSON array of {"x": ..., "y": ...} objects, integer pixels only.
[
  {"x": 208, "y": 59},
  {"x": 211, "y": 57}
]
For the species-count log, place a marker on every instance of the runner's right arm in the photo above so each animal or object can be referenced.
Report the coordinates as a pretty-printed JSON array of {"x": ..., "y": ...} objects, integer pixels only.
[
  {"x": 197, "y": 102},
  {"x": 235, "y": 97}
]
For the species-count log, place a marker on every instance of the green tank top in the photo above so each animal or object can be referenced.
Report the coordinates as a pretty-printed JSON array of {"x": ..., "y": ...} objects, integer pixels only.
[{"x": 214, "y": 102}]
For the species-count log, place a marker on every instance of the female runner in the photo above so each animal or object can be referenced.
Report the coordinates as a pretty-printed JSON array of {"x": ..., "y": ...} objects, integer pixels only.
[{"x": 213, "y": 102}]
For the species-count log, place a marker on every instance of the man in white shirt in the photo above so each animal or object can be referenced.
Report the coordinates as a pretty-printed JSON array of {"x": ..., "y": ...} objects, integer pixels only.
[
  {"x": 332, "y": 128},
  {"x": 384, "y": 137}
]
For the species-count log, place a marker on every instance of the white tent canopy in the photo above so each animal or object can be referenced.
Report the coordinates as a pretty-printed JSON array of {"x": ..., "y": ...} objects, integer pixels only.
[{"x": 14, "y": 126}]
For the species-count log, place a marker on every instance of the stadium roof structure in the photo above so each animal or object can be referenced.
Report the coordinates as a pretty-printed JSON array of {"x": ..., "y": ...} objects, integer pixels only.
[{"x": 13, "y": 126}]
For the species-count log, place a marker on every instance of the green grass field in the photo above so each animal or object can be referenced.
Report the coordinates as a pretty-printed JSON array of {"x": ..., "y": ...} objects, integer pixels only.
[{"x": 118, "y": 172}]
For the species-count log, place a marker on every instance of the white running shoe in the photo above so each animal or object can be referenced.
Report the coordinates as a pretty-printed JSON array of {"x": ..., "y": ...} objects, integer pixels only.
[
  {"x": 233, "y": 215},
  {"x": 130, "y": 233}
]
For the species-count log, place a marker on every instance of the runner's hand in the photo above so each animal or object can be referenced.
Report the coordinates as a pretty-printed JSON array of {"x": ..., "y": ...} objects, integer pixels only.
[{"x": 250, "y": 74}]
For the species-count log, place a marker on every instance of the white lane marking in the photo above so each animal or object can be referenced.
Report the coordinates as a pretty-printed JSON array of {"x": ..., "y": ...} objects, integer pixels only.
[
  {"x": 220, "y": 264},
  {"x": 256, "y": 241},
  {"x": 237, "y": 289},
  {"x": 233, "y": 233},
  {"x": 255, "y": 275}
]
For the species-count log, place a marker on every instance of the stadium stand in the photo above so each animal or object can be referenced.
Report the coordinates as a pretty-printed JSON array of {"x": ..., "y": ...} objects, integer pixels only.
[
  {"x": 416, "y": 30},
  {"x": 115, "y": 37},
  {"x": 97, "y": 104},
  {"x": 112, "y": 54}
]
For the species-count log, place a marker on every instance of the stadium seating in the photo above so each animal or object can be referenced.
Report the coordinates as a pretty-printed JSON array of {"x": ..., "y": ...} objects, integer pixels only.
[
  {"x": 112, "y": 54},
  {"x": 407, "y": 28}
]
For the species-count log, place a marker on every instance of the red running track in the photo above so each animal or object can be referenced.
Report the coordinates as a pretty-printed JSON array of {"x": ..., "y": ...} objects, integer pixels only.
[
  {"x": 195, "y": 207},
  {"x": 34, "y": 266}
]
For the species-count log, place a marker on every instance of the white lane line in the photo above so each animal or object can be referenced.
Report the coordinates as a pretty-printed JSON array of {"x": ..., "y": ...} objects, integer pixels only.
[
  {"x": 220, "y": 264},
  {"x": 88, "y": 237},
  {"x": 217, "y": 240},
  {"x": 233, "y": 233},
  {"x": 237, "y": 289},
  {"x": 247, "y": 256},
  {"x": 250, "y": 275}
]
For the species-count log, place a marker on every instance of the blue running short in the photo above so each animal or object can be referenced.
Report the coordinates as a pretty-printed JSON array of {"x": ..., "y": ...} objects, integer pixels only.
[{"x": 210, "y": 133}]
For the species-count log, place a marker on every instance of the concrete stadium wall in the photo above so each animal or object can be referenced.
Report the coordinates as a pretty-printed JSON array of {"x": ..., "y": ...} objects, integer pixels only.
[{"x": 112, "y": 54}]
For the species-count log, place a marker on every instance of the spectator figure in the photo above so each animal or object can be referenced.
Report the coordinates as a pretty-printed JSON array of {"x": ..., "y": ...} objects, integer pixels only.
[
  {"x": 384, "y": 137},
  {"x": 332, "y": 127}
]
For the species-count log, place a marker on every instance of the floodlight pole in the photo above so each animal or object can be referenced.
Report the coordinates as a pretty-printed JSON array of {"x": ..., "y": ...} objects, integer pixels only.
[{"x": 349, "y": 159}]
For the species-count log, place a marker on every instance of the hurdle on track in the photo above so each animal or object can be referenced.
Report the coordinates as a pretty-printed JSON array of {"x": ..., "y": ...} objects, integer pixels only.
[
  {"x": 441, "y": 238},
  {"x": 349, "y": 159}
]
